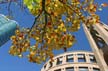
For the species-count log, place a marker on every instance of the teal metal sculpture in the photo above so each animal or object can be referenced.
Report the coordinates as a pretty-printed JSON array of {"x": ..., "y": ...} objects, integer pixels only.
[{"x": 7, "y": 29}]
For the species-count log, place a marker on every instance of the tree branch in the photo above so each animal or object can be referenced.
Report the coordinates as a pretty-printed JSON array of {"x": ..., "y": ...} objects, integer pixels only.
[
  {"x": 6, "y": 1},
  {"x": 35, "y": 21}
]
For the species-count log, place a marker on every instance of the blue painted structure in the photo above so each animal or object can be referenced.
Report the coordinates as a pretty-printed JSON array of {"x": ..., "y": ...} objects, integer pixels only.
[{"x": 7, "y": 29}]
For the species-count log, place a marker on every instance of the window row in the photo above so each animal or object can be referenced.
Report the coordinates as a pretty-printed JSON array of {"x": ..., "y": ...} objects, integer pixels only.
[
  {"x": 81, "y": 58},
  {"x": 80, "y": 69},
  {"x": 70, "y": 58}
]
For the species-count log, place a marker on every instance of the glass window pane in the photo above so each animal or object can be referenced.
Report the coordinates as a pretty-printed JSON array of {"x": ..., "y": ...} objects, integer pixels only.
[
  {"x": 70, "y": 69},
  {"x": 70, "y": 58},
  {"x": 81, "y": 58},
  {"x": 80, "y": 55},
  {"x": 50, "y": 64},
  {"x": 92, "y": 59},
  {"x": 58, "y": 70},
  {"x": 96, "y": 69},
  {"x": 45, "y": 66},
  {"x": 83, "y": 69},
  {"x": 59, "y": 60}
]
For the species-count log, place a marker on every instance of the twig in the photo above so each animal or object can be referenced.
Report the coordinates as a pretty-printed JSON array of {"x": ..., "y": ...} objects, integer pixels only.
[
  {"x": 9, "y": 10},
  {"x": 35, "y": 21},
  {"x": 3, "y": 2}
]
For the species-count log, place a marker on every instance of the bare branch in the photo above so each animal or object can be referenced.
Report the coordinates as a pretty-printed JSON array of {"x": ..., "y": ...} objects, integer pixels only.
[{"x": 7, "y": 1}]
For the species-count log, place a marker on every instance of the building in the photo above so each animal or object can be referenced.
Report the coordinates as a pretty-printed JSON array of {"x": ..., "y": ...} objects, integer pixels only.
[
  {"x": 7, "y": 29},
  {"x": 97, "y": 35},
  {"x": 73, "y": 61}
]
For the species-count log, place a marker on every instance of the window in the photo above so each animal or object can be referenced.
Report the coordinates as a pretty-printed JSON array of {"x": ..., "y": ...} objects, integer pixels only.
[
  {"x": 70, "y": 69},
  {"x": 83, "y": 69},
  {"x": 50, "y": 64},
  {"x": 81, "y": 58},
  {"x": 59, "y": 60},
  {"x": 44, "y": 66},
  {"x": 92, "y": 59},
  {"x": 58, "y": 70},
  {"x": 106, "y": 29},
  {"x": 69, "y": 58},
  {"x": 96, "y": 69}
]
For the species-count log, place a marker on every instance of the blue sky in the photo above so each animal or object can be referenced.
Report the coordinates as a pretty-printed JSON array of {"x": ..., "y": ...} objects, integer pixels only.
[{"x": 11, "y": 63}]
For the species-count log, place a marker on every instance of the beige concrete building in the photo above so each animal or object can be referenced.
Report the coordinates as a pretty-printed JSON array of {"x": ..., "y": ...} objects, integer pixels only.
[
  {"x": 97, "y": 36},
  {"x": 73, "y": 61}
]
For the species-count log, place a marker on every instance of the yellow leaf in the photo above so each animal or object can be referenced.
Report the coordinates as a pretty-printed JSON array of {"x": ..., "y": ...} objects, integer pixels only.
[
  {"x": 100, "y": 9},
  {"x": 20, "y": 55},
  {"x": 17, "y": 32},
  {"x": 30, "y": 7},
  {"x": 64, "y": 29},
  {"x": 32, "y": 53},
  {"x": 13, "y": 37},
  {"x": 70, "y": 43},
  {"x": 62, "y": 24},
  {"x": 104, "y": 4},
  {"x": 37, "y": 38}
]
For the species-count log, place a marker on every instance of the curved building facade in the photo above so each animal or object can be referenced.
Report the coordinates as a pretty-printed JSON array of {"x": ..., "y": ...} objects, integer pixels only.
[
  {"x": 7, "y": 29},
  {"x": 72, "y": 61}
]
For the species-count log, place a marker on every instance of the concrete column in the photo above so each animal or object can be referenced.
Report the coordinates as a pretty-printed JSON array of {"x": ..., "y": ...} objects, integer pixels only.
[
  {"x": 95, "y": 49},
  {"x": 47, "y": 67},
  {"x": 87, "y": 58},
  {"x": 63, "y": 69},
  {"x": 75, "y": 58},
  {"x": 64, "y": 59},
  {"x": 102, "y": 32},
  {"x": 90, "y": 68},
  {"x": 55, "y": 61},
  {"x": 76, "y": 68}
]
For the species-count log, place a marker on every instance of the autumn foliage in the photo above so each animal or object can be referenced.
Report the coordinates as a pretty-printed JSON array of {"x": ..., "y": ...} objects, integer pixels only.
[{"x": 55, "y": 20}]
